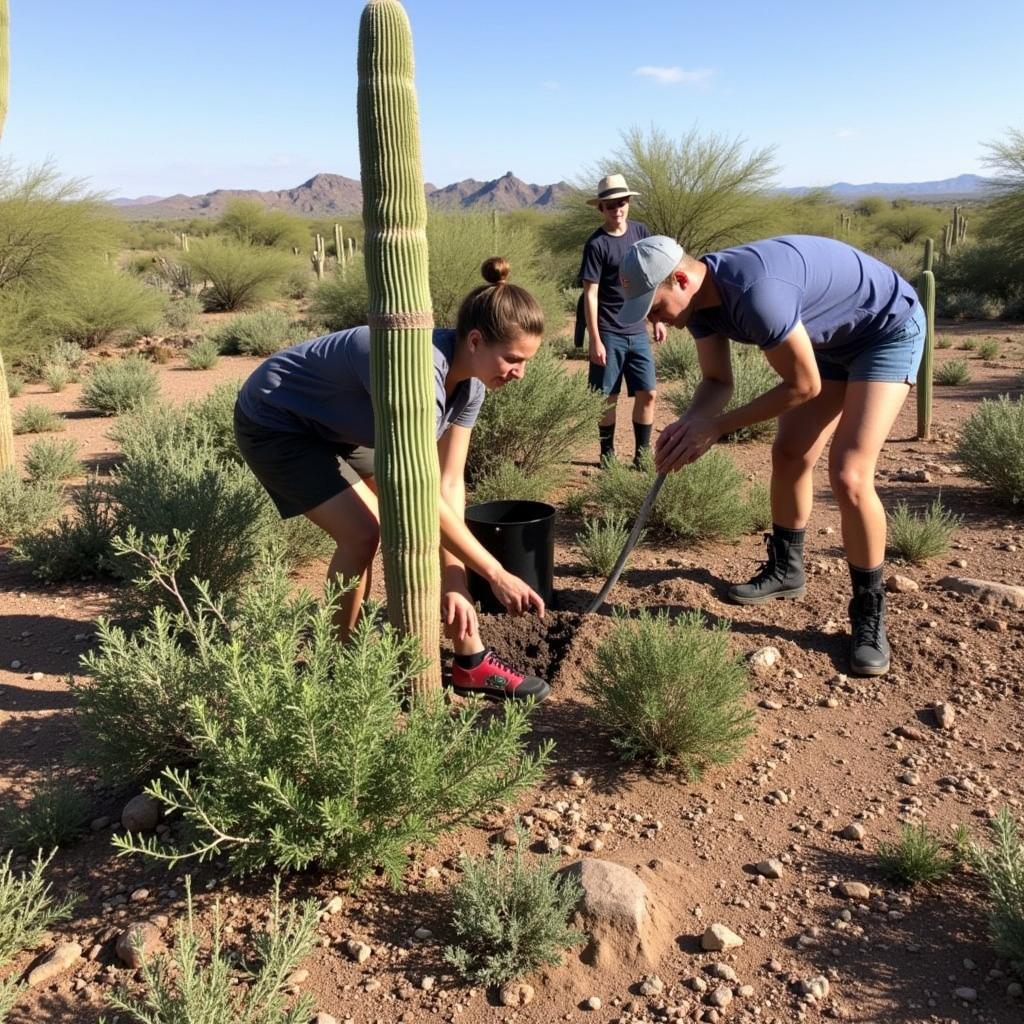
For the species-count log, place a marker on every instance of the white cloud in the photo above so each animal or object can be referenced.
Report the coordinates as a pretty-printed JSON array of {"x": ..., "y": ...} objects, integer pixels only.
[
  {"x": 845, "y": 133},
  {"x": 675, "y": 75}
]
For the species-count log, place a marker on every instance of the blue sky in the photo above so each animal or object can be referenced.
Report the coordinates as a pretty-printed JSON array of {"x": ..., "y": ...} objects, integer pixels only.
[{"x": 150, "y": 97}]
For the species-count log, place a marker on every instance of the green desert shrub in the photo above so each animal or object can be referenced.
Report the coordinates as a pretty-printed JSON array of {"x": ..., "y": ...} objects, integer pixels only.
[
  {"x": 670, "y": 691},
  {"x": 15, "y": 384},
  {"x": 260, "y": 333},
  {"x": 191, "y": 986},
  {"x": 37, "y": 419},
  {"x": 676, "y": 357},
  {"x": 969, "y": 305},
  {"x": 575, "y": 502},
  {"x": 183, "y": 314},
  {"x": 916, "y": 856},
  {"x": 104, "y": 303},
  {"x": 118, "y": 386},
  {"x": 943, "y": 341},
  {"x": 565, "y": 348},
  {"x": 505, "y": 480},
  {"x": 920, "y": 536},
  {"x": 252, "y": 223},
  {"x": 952, "y": 373},
  {"x": 26, "y": 507},
  {"x": 600, "y": 542},
  {"x": 47, "y": 459},
  {"x": 238, "y": 275},
  {"x": 79, "y": 546},
  {"x": 341, "y": 300},
  {"x": 510, "y": 917},
  {"x": 58, "y": 376},
  {"x": 203, "y": 355},
  {"x": 969, "y": 344},
  {"x": 57, "y": 814},
  {"x": 537, "y": 422},
  {"x": 992, "y": 447},
  {"x": 752, "y": 376},
  {"x": 706, "y": 500},
  {"x": 302, "y": 751},
  {"x": 1001, "y": 864},
  {"x": 28, "y": 909},
  {"x": 988, "y": 349}
]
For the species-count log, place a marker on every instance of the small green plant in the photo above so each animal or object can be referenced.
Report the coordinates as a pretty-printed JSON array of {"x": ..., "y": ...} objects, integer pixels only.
[
  {"x": 969, "y": 344},
  {"x": 27, "y": 907},
  {"x": 676, "y": 357},
  {"x": 58, "y": 376},
  {"x": 506, "y": 480},
  {"x": 56, "y": 814},
  {"x": 916, "y": 856},
  {"x": 565, "y": 348},
  {"x": 49, "y": 459},
  {"x": 600, "y": 542},
  {"x": 25, "y": 507},
  {"x": 261, "y": 333},
  {"x": 182, "y": 314},
  {"x": 988, "y": 349},
  {"x": 670, "y": 691},
  {"x": 952, "y": 373},
  {"x": 510, "y": 917},
  {"x": 15, "y": 384},
  {"x": 37, "y": 419},
  {"x": 943, "y": 341},
  {"x": 203, "y": 355},
  {"x": 575, "y": 502},
  {"x": 992, "y": 447},
  {"x": 190, "y": 986},
  {"x": 920, "y": 536},
  {"x": 1001, "y": 864},
  {"x": 301, "y": 750},
  {"x": 120, "y": 385}
]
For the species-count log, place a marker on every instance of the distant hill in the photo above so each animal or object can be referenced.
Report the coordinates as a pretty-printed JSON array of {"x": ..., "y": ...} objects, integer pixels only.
[
  {"x": 963, "y": 186},
  {"x": 334, "y": 195}
]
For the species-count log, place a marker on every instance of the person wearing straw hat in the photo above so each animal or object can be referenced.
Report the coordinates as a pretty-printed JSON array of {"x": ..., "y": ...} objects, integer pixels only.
[
  {"x": 845, "y": 333},
  {"x": 620, "y": 348}
]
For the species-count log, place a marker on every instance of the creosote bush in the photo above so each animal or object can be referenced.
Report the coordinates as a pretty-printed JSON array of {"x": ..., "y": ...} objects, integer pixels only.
[
  {"x": 15, "y": 384},
  {"x": 37, "y": 419},
  {"x": 104, "y": 303},
  {"x": 600, "y": 542},
  {"x": 49, "y": 459},
  {"x": 670, "y": 691},
  {"x": 301, "y": 751},
  {"x": 26, "y": 507},
  {"x": 988, "y": 349},
  {"x": 261, "y": 333},
  {"x": 119, "y": 386},
  {"x": 916, "y": 856},
  {"x": 341, "y": 300},
  {"x": 57, "y": 814},
  {"x": 505, "y": 480},
  {"x": 676, "y": 357},
  {"x": 992, "y": 447},
  {"x": 706, "y": 500},
  {"x": 182, "y": 314},
  {"x": 58, "y": 376},
  {"x": 537, "y": 422},
  {"x": 190, "y": 986},
  {"x": 203, "y": 355},
  {"x": 239, "y": 275},
  {"x": 1001, "y": 863},
  {"x": 952, "y": 373},
  {"x": 510, "y": 916},
  {"x": 920, "y": 536}
]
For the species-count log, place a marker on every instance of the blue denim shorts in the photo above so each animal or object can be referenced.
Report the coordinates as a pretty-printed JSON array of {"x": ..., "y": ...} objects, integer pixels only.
[
  {"x": 629, "y": 357},
  {"x": 894, "y": 357}
]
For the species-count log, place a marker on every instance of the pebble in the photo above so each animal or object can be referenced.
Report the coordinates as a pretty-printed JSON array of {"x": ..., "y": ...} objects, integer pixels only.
[
  {"x": 334, "y": 905},
  {"x": 910, "y": 779},
  {"x": 516, "y": 993},
  {"x": 427, "y": 983},
  {"x": 769, "y": 868},
  {"x": 853, "y": 831},
  {"x": 721, "y": 997},
  {"x": 717, "y": 938},
  {"x": 1015, "y": 990},
  {"x": 817, "y": 986},
  {"x": 39, "y": 675},
  {"x": 577, "y": 781},
  {"x": 60, "y": 959},
  {"x": 765, "y": 657},
  {"x": 897, "y": 584},
  {"x": 854, "y": 890},
  {"x": 140, "y": 814},
  {"x": 945, "y": 716},
  {"x": 358, "y": 951},
  {"x": 968, "y": 995},
  {"x": 593, "y": 1003},
  {"x": 297, "y": 977},
  {"x": 771, "y": 705},
  {"x": 135, "y": 943},
  {"x": 324, "y": 1018},
  {"x": 15, "y": 664},
  {"x": 652, "y": 985}
]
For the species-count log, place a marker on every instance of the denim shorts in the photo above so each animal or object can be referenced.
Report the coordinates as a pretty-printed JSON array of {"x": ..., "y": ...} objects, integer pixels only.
[
  {"x": 893, "y": 357},
  {"x": 629, "y": 357}
]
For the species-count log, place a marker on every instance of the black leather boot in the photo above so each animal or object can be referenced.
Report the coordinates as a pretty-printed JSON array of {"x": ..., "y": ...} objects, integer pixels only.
[
  {"x": 781, "y": 575},
  {"x": 869, "y": 647}
]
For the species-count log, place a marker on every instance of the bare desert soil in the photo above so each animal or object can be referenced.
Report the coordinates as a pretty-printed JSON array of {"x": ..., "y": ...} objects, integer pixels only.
[{"x": 829, "y": 751}]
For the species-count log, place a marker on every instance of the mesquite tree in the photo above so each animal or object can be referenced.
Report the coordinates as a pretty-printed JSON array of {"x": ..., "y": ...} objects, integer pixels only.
[
  {"x": 401, "y": 324},
  {"x": 6, "y": 427}
]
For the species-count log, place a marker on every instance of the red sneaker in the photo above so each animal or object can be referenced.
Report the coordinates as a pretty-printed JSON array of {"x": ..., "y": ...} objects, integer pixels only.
[{"x": 496, "y": 680}]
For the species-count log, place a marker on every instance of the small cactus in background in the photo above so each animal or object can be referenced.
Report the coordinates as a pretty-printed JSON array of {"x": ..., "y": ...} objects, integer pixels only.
[
  {"x": 351, "y": 249},
  {"x": 401, "y": 324},
  {"x": 924, "y": 374},
  {"x": 339, "y": 245},
  {"x": 318, "y": 257}
]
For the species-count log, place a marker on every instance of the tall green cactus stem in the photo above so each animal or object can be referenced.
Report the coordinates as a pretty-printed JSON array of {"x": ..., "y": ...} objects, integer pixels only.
[
  {"x": 929, "y": 254},
  {"x": 317, "y": 257},
  {"x": 401, "y": 324},
  {"x": 339, "y": 244},
  {"x": 5, "y": 61},
  {"x": 351, "y": 249},
  {"x": 924, "y": 374},
  {"x": 6, "y": 424}
]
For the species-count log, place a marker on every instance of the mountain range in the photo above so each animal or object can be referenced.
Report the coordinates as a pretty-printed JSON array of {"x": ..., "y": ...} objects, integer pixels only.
[{"x": 334, "y": 195}]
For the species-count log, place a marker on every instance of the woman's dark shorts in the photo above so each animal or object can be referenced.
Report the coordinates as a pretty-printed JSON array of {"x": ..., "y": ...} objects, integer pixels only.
[{"x": 299, "y": 471}]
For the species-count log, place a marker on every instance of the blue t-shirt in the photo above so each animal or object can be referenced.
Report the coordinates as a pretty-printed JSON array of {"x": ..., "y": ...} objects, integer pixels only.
[
  {"x": 840, "y": 294},
  {"x": 602, "y": 256},
  {"x": 323, "y": 385}
]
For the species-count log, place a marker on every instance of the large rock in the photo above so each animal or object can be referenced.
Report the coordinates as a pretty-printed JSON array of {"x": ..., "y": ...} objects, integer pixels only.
[
  {"x": 719, "y": 939},
  {"x": 136, "y": 943},
  {"x": 141, "y": 813},
  {"x": 60, "y": 959},
  {"x": 985, "y": 591}
]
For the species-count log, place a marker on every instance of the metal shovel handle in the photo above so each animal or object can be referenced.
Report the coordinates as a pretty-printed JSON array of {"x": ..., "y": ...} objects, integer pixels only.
[{"x": 634, "y": 536}]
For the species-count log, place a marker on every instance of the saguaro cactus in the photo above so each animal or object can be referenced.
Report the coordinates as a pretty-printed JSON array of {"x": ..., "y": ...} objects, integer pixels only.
[
  {"x": 401, "y": 324},
  {"x": 924, "y": 374},
  {"x": 339, "y": 245},
  {"x": 6, "y": 426},
  {"x": 929, "y": 254},
  {"x": 318, "y": 257}
]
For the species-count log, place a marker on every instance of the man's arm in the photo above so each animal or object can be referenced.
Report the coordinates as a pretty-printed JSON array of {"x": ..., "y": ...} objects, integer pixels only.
[{"x": 597, "y": 350}]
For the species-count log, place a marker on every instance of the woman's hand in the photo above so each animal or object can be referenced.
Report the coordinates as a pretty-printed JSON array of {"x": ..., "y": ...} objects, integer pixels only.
[
  {"x": 458, "y": 613},
  {"x": 683, "y": 442},
  {"x": 517, "y": 596}
]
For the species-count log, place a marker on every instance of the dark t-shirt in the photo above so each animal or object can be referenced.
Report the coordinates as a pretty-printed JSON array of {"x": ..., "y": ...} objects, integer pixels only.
[
  {"x": 323, "y": 385},
  {"x": 840, "y": 294},
  {"x": 602, "y": 256}
]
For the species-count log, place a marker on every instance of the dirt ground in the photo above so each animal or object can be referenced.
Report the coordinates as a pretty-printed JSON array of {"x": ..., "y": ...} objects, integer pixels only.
[{"x": 828, "y": 751}]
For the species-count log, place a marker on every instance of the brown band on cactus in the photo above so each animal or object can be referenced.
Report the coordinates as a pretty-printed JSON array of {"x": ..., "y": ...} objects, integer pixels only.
[{"x": 423, "y": 320}]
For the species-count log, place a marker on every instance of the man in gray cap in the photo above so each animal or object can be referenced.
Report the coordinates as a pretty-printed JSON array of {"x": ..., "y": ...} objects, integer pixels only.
[{"x": 845, "y": 333}]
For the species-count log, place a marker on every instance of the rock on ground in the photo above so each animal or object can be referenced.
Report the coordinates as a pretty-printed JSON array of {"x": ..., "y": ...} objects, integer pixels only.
[
  {"x": 60, "y": 959},
  {"x": 717, "y": 938},
  {"x": 141, "y": 813},
  {"x": 134, "y": 944},
  {"x": 515, "y": 993},
  {"x": 985, "y": 591}
]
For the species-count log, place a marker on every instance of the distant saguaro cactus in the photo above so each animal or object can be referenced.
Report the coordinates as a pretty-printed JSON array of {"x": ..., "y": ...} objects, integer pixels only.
[
  {"x": 318, "y": 257},
  {"x": 6, "y": 426},
  {"x": 924, "y": 374},
  {"x": 339, "y": 245},
  {"x": 929, "y": 254},
  {"x": 401, "y": 325}
]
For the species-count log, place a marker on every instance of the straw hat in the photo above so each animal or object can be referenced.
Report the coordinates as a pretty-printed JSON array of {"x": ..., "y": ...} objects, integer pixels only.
[{"x": 612, "y": 187}]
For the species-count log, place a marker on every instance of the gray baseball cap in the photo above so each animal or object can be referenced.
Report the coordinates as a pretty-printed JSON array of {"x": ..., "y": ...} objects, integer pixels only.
[{"x": 646, "y": 265}]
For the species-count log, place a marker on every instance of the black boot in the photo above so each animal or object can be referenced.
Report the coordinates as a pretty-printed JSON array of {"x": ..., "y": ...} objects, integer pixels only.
[
  {"x": 869, "y": 647},
  {"x": 782, "y": 575}
]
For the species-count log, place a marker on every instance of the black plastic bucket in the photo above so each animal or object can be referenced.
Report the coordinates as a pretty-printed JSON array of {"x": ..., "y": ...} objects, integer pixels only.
[{"x": 521, "y": 536}]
